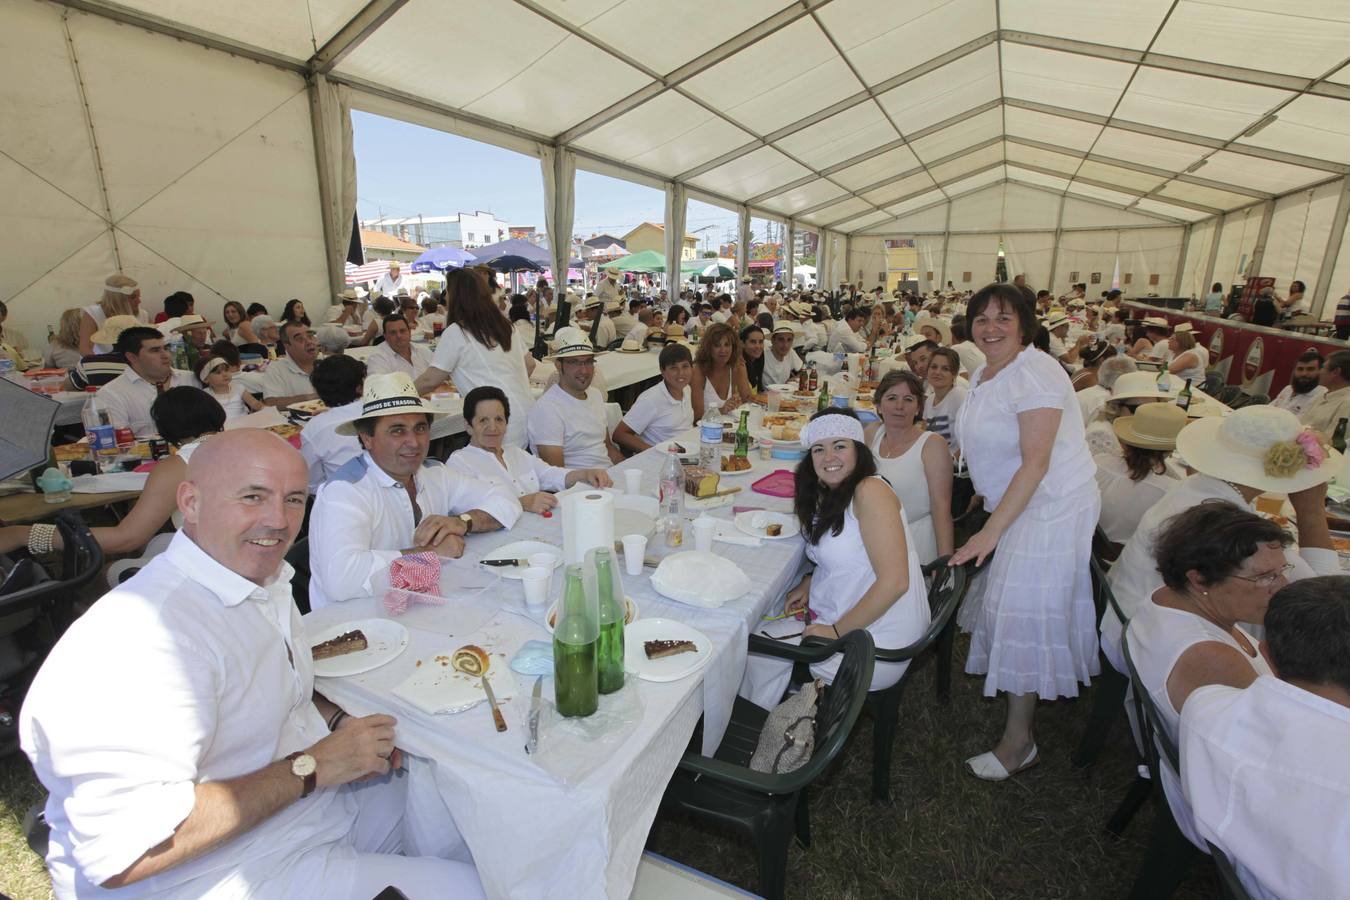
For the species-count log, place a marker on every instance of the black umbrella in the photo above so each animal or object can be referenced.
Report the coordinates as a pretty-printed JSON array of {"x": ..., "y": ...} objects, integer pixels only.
[
  {"x": 510, "y": 262},
  {"x": 26, "y": 442}
]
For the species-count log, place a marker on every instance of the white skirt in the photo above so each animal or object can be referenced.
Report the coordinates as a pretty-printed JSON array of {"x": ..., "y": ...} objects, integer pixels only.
[{"x": 1036, "y": 632}]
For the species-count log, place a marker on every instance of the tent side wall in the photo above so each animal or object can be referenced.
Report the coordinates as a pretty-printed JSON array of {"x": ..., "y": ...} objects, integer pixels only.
[{"x": 139, "y": 159}]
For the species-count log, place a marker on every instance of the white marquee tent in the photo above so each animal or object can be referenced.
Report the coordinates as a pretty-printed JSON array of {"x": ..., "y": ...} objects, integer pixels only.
[{"x": 207, "y": 146}]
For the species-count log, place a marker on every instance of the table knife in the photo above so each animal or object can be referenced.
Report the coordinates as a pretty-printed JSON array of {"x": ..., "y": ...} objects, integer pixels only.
[
  {"x": 514, "y": 563},
  {"x": 496, "y": 710},
  {"x": 536, "y": 705}
]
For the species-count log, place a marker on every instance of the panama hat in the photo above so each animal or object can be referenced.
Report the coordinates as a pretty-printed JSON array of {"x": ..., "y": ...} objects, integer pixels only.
[
  {"x": 1154, "y": 426},
  {"x": 113, "y": 328},
  {"x": 1183, "y": 327},
  {"x": 1142, "y": 386},
  {"x": 348, "y": 296},
  {"x": 942, "y": 328},
  {"x": 786, "y": 328},
  {"x": 1056, "y": 319},
  {"x": 190, "y": 322},
  {"x": 1261, "y": 447},
  {"x": 631, "y": 346},
  {"x": 1156, "y": 322},
  {"x": 571, "y": 342},
  {"x": 389, "y": 394}
]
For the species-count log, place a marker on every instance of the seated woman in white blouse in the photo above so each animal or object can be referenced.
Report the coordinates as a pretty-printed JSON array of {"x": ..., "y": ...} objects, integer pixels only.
[
  {"x": 1131, "y": 483},
  {"x": 486, "y": 414}
]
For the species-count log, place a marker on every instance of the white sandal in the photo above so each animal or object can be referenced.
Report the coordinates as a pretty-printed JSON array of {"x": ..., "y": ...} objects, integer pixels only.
[{"x": 987, "y": 767}]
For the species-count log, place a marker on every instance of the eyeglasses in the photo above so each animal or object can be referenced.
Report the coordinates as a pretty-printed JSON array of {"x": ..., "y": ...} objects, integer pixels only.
[{"x": 1266, "y": 579}]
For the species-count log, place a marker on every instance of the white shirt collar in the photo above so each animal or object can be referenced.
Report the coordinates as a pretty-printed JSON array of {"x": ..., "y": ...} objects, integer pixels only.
[{"x": 231, "y": 587}]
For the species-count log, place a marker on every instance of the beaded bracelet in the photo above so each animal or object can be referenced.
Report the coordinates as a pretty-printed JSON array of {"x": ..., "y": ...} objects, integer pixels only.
[
  {"x": 40, "y": 539},
  {"x": 336, "y": 719}
]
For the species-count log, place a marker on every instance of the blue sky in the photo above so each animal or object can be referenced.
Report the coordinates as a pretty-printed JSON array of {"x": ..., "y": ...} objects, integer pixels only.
[{"x": 404, "y": 169}]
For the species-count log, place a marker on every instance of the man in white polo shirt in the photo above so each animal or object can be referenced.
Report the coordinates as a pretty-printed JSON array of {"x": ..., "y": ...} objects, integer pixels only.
[
  {"x": 663, "y": 410},
  {"x": 177, "y": 728},
  {"x": 149, "y": 373},
  {"x": 286, "y": 380},
  {"x": 391, "y": 500},
  {"x": 398, "y": 353},
  {"x": 1263, "y": 768},
  {"x": 567, "y": 425},
  {"x": 781, "y": 362}
]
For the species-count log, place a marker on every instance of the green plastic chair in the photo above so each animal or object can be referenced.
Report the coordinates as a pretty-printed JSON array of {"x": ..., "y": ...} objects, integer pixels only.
[
  {"x": 946, "y": 589},
  {"x": 1170, "y": 853},
  {"x": 1108, "y": 700},
  {"x": 769, "y": 808}
]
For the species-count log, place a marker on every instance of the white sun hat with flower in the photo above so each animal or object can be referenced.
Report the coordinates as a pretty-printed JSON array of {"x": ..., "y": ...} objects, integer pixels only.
[{"x": 1260, "y": 447}]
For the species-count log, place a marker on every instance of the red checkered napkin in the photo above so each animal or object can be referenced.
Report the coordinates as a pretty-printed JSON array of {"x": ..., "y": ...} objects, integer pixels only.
[{"x": 411, "y": 579}]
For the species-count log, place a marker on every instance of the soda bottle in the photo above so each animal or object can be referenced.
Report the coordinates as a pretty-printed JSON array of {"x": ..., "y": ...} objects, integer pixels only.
[
  {"x": 610, "y": 652},
  {"x": 743, "y": 435},
  {"x": 576, "y": 638}
]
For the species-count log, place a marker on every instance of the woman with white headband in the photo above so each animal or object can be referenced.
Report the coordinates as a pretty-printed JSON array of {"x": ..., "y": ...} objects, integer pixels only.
[
  {"x": 121, "y": 297},
  {"x": 853, "y": 526}
]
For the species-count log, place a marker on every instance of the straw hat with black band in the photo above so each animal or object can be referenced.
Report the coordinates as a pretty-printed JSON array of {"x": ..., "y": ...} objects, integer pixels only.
[
  {"x": 1056, "y": 319},
  {"x": 1260, "y": 447},
  {"x": 571, "y": 342},
  {"x": 942, "y": 328},
  {"x": 389, "y": 394},
  {"x": 1156, "y": 322},
  {"x": 112, "y": 329}
]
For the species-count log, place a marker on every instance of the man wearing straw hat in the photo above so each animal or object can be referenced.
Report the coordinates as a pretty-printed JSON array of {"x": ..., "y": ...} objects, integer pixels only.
[
  {"x": 781, "y": 362},
  {"x": 391, "y": 500},
  {"x": 392, "y": 281},
  {"x": 567, "y": 425}
]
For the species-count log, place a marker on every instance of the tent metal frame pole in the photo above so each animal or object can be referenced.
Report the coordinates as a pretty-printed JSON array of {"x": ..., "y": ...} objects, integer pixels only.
[
  {"x": 1262, "y": 235},
  {"x": 1054, "y": 250},
  {"x": 94, "y": 150},
  {"x": 1335, "y": 247},
  {"x": 790, "y": 249},
  {"x": 946, "y": 245},
  {"x": 332, "y": 253},
  {"x": 742, "y": 241},
  {"x": 1181, "y": 261},
  {"x": 1219, "y": 223}
]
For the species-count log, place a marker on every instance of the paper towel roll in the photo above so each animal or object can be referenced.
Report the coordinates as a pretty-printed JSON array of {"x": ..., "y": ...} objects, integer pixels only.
[{"x": 587, "y": 522}]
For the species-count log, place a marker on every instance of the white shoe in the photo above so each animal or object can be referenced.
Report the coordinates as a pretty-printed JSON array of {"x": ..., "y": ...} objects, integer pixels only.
[{"x": 987, "y": 767}]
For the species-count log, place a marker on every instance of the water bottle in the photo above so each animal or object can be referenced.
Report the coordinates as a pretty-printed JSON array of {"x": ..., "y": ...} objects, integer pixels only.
[
  {"x": 1164, "y": 382},
  {"x": 710, "y": 440},
  {"x": 10, "y": 373},
  {"x": 672, "y": 499},
  {"x": 611, "y": 603},
  {"x": 98, "y": 425}
]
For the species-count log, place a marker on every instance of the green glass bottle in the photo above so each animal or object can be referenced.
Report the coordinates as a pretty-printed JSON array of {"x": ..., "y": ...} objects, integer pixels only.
[
  {"x": 1338, "y": 436},
  {"x": 575, "y": 645},
  {"x": 743, "y": 435},
  {"x": 610, "y": 653},
  {"x": 824, "y": 399},
  {"x": 1184, "y": 398}
]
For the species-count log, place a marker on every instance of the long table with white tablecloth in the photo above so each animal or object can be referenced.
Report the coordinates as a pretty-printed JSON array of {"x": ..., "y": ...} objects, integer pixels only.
[{"x": 530, "y": 833}]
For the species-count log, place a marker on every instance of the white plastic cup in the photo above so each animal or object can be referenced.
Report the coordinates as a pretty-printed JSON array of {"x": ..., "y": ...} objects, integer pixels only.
[
  {"x": 536, "y": 581},
  {"x": 775, "y": 400},
  {"x": 704, "y": 529},
  {"x": 634, "y": 549},
  {"x": 632, "y": 480},
  {"x": 544, "y": 561}
]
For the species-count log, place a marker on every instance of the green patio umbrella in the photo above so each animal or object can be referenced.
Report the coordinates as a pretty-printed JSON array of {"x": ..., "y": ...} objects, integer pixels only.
[{"x": 642, "y": 261}]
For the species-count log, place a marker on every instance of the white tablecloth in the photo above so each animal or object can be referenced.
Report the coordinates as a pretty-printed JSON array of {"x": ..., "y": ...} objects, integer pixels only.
[{"x": 529, "y": 833}]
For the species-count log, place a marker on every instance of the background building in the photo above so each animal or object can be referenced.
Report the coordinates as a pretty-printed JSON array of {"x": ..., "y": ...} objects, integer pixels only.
[
  {"x": 651, "y": 236},
  {"x": 463, "y": 230},
  {"x": 379, "y": 245}
]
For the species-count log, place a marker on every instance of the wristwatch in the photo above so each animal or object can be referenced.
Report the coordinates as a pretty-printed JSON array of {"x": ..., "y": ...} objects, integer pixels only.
[
  {"x": 304, "y": 767},
  {"x": 467, "y": 519}
]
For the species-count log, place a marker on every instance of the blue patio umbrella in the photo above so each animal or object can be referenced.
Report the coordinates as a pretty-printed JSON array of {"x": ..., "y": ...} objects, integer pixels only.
[{"x": 438, "y": 259}]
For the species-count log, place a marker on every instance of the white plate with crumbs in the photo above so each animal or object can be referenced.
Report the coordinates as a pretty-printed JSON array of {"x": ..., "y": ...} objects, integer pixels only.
[
  {"x": 756, "y": 524},
  {"x": 666, "y": 668},
  {"x": 385, "y": 640}
]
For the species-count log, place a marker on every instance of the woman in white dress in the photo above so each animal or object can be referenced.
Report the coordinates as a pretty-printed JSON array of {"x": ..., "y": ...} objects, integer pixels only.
[
  {"x": 720, "y": 381},
  {"x": 487, "y": 415},
  {"x": 1220, "y": 565},
  {"x": 1129, "y": 392},
  {"x": 915, "y": 461},
  {"x": 1022, "y": 437},
  {"x": 121, "y": 297},
  {"x": 479, "y": 347},
  {"x": 1189, "y": 358},
  {"x": 854, "y": 526},
  {"x": 1131, "y": 483}
]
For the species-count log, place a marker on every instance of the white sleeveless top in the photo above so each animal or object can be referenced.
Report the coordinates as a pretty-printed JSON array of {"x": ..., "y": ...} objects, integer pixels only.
[
  {"x": 1158, "y": 636},
  {"x": 712, "y": 399},
  {"x": 910, "y": 483},
  {"x": 844, "y": 573},
  {"x": 95, "y": 312},
  {"x": 1195, "y": 373}
]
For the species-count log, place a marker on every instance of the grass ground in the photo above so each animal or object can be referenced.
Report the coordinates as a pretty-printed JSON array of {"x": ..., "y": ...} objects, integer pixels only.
[{"x": 947, "y": 835}]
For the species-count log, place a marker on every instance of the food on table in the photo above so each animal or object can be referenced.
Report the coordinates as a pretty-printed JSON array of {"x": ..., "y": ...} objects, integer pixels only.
[
  {"x": 774, "y": 529},
  {"x": 700, "y": 482},
  {"x": 867, "y": 387},
  {"x": 348, "y": 642},
  {"x": 786, "y": 432},
  {"x": 1341, "y": 545},
  {"x": 285, "y": 431},
  {"x": 662, "y": 649},
  {"x": 781, "y": 418},
  {"x": 735, "y": 464},
  {"x": 470, "y": 659}
]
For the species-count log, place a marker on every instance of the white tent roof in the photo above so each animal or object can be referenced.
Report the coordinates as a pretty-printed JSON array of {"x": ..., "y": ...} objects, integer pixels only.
[{"x": 847, "y": 113}]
